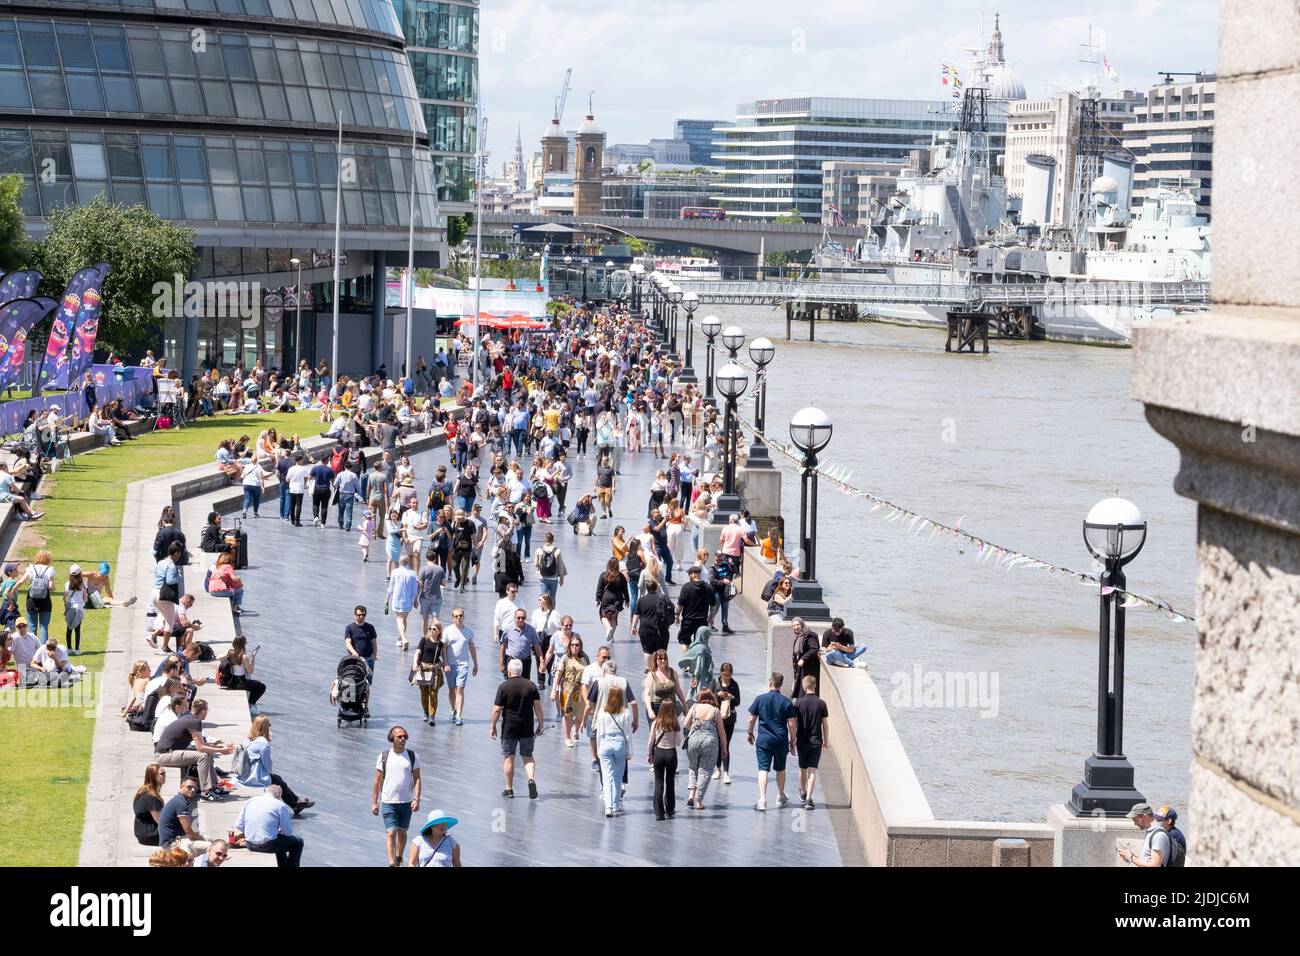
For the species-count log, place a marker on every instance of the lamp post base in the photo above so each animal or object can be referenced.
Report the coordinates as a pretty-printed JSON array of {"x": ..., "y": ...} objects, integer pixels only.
[
  {"x": 758, "y": 456},
  {"x": 806, "y": 602},
  {"x": 687, "y": 376},
  {"x": 727, "y": 506},
  {"x": 710, "y": 401},
  {"x": 1107, "y": 788}
]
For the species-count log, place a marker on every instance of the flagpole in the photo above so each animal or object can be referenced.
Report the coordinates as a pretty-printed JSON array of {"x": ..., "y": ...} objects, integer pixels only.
[
  {"x": 338, "y": 216},
  {"x": 410, "y": 272}
]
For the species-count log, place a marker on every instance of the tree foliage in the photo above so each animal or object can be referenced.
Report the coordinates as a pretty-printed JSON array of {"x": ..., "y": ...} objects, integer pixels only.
[
  {"x": 141, "y": 249},
  {"x": 16, "y": 250},
  {"x": 458, "y": 227}
]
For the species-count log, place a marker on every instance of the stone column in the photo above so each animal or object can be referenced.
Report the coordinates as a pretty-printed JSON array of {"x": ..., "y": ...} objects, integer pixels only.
[{"x": 1224, "y": 386}]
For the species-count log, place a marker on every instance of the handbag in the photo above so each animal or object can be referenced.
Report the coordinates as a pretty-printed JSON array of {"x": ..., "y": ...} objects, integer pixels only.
[
  {"x": 426, "y": 675},
  {"x": 725, "y": 709},
  {"x": 170, "y": 593}
]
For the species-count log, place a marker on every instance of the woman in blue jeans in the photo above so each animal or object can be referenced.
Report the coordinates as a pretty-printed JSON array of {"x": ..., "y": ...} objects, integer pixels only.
[
  {"x": 40, "y": 579},
  {"x": 613, "y": 729},
  {"x": 253, "y": 479}
]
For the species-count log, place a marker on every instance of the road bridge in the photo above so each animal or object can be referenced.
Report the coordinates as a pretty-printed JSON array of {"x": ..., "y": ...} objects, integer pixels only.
[{"x": 738, "y": 240}]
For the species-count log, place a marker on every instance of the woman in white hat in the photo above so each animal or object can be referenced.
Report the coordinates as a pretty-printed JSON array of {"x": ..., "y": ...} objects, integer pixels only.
[{"x": 434, "y": 846}]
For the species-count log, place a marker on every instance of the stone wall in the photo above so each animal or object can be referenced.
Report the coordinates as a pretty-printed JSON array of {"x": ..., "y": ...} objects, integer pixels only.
[{"x": 1225, "y": 388}]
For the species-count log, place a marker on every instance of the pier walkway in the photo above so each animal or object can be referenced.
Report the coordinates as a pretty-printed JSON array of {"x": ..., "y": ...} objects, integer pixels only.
[{"x": 303, "y": 584}]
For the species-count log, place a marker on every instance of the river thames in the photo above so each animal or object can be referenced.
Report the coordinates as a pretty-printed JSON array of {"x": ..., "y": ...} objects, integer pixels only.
[{"x": 1021, "y": 442}]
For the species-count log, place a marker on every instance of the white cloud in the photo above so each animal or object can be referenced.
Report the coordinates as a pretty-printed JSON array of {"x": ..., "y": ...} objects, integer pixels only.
[{"x": 652, "y": 61}]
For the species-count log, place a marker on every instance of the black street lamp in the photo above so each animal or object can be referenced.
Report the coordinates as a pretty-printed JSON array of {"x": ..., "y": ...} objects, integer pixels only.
[
  {"x": 1114, "y": 533},
  {"x": 690, "y": 302},
  {"x": 710, "y": 325},
  {"x": 761, "y": 352},
  {"x": 297, "y": 327},
  {"x": 810, "y": 430},
  {"x": 733, "y": 337},
  {"x": 675, "y": 296},
  {"x": 732, "y": 381}
]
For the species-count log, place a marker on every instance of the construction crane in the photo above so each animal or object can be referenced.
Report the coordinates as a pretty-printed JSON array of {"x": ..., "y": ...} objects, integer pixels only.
[
  {"x": 564, "y": 95},
  {"x": 1169, "y": 75}
]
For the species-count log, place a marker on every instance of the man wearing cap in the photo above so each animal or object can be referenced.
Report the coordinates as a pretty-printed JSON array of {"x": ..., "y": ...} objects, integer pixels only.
[
  {"x": 1155, "y": 844},
  {"x": 23, "y": 644},
  {"x": 1167, "y": 816},
  {"x": 434, "y": 846},
  {"x": 693, "y": 603}
]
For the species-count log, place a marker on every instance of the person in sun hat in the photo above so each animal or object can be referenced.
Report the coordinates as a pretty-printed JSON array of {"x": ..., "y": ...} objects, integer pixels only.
[{"x": 434, "y": 846}]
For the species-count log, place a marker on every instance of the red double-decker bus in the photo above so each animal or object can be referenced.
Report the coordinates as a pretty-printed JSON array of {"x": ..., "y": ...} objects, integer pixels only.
[{"x": 703, "y": 212}]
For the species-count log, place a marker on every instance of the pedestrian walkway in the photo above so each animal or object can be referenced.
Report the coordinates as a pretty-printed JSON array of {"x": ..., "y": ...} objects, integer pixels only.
[{"x": 302, "y": 585}]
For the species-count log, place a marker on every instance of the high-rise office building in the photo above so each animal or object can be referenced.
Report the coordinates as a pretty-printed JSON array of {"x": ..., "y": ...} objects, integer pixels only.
[
  {"x": 224, "y": 118},
  {"x": 699, "y": 134},
  {"x": 1172, "y": 138},
  {"x": 442, "y": 46},
  {"x": 771, "y": 158}
]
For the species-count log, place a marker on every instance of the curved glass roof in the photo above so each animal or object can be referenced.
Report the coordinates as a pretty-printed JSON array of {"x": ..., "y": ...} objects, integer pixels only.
[
  {"x": 377, "y": 16},
  {"x": 78, "y": 67}
]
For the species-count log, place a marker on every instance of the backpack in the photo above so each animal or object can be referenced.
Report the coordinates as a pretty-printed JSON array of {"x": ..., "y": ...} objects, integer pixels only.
[
  {"x": 337, "y": 460},
  {"x": 40, "y": 585},
  {"x": 383, "y": 762},
  {"x": 225, "y": 672},
  {"x": 206, "y": 653},
  {"x": 768, "y": 590},
  {"x": 241, "y": 763},
  {"x": 1177, "y": 855},
  {"x": 142, "y": 720},
  {"x": 437, "y": 498},
  {"x": 548, "y": 563}
]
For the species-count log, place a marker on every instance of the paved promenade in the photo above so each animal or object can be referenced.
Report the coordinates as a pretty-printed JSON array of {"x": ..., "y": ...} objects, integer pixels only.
[{"x": 303, "y": 583}]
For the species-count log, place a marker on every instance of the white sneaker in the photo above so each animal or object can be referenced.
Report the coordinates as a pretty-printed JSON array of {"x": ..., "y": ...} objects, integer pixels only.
[
  {"x": 861, "y": 664},
  {"x": 761, "y": 805},
  {"x": 398, "y": 643},
  {"x": 717, "y": 772},
  {"x": 405, "y": 645},
  {"x": 726, "y": 778}
]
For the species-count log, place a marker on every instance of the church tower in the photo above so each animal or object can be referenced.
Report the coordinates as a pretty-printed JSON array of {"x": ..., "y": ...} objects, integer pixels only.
[
  {"x": 588, "y": 176},
  {"x": 555, "y": 149}
]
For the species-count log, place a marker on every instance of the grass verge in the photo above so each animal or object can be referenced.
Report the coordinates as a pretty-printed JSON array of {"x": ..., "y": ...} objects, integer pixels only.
[{"x": 45, "y": 747}]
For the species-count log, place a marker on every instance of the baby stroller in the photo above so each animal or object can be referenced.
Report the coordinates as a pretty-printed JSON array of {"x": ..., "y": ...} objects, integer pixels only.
[{"x": 351, "y": 691}]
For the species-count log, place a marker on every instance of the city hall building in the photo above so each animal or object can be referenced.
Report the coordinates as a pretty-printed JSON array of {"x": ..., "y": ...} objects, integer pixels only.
[{"x": 222, "y": 116}]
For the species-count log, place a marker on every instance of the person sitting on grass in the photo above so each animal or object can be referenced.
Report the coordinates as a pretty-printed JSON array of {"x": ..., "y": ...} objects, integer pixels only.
[
  {"x": 99, "y": 590},
  {"x": 9, "y": 493}
]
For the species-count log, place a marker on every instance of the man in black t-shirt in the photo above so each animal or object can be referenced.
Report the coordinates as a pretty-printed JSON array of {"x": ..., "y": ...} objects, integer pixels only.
[
  {"x": 520, "y": 703},
  {"x": 181, "y": 744},
  {"x": 810, "y": 739},
  {"x": 838, "y": 647},
  {"x": 693, "y": 605},
  {"x": 360, "y": 639}
]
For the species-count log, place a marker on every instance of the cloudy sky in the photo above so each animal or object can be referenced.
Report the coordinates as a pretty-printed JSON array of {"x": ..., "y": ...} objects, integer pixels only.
[{"x": 652, "y": 61}]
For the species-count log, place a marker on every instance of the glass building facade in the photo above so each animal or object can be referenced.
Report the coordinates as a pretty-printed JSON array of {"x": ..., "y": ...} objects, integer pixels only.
[
  {"x": 442, "y": 45},
  {"x": 771, "y": 157},
  {"x": 222, "y": 115}
]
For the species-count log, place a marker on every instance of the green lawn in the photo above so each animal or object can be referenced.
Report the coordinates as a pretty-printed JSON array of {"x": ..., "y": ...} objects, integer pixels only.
[{"x": 45, "y": 750}]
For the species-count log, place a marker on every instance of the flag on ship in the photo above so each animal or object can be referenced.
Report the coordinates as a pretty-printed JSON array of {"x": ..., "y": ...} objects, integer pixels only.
[
  {"x": 1110, "y": 70},
  {"x": 834, "y": 211}
]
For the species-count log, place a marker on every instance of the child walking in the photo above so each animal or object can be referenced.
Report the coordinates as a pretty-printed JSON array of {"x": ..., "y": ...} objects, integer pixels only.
[{"x": 367, "y": 532}]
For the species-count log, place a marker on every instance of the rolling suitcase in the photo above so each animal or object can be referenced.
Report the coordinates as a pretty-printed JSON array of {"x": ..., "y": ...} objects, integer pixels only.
[{"x": 238, "y": 541}]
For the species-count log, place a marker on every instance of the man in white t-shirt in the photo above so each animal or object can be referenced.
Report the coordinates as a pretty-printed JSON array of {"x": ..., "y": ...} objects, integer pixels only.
[
  {"x": 461, "y": 660},
  {"x": 396, "y": 791},
  {"x": 590, "y": 674},
  {"x": 51, "y": 661},
  {"x": 415, "y": 524},
  {"x": 23, "y": 644},
  {"x": 503, "y": 615},
  {"x": 297, "y": 478}
]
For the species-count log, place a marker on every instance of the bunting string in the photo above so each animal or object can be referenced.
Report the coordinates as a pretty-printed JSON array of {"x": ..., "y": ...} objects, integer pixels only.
[{"x": 986, "y": 552}]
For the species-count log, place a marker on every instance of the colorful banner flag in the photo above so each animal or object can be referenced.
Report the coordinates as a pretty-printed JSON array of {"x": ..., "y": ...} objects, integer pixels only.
[
  {"x": 87, "y": 328},
  {"x": 1110, "y": 70},
  {"x": 19, "y": 285},
  {"x": 17, "y": 319},
  {"x": 54, "y": 370}
]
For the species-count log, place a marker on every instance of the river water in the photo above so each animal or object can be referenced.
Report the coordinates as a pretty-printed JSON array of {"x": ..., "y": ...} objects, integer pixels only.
[{"x": 1022, "y": 442}]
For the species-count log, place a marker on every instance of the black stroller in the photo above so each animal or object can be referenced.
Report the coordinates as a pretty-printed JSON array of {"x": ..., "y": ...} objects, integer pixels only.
[{"x": 351, "y": 691}]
